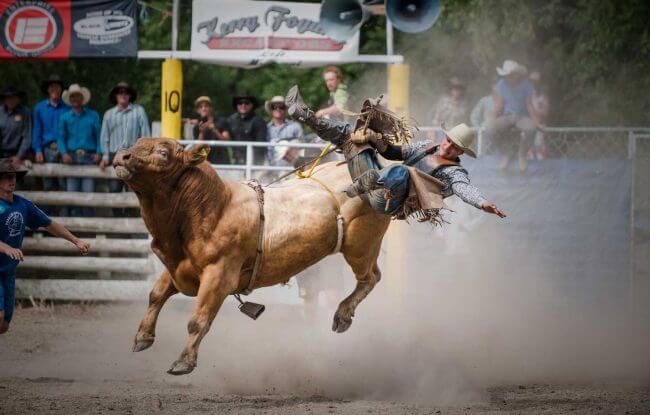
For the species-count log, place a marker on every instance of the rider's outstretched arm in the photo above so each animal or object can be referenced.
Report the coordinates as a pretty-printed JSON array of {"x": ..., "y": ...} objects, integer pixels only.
[{"x": 470, "y": 194}]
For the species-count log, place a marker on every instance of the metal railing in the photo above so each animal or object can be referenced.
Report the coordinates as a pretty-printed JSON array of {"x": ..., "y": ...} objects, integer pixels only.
[
  {"x": 120, "y": 255},
  {"x": 560, "y": 142}
]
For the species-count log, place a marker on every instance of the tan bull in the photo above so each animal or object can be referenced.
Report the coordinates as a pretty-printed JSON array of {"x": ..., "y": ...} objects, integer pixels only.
[{"x": 205, "y": 232}]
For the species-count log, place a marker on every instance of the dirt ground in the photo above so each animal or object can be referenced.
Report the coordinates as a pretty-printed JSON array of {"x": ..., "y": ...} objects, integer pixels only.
[{"x": 76, "y": 359}]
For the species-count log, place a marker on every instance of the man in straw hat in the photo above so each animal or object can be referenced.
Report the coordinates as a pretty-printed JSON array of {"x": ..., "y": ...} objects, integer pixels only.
[
  {"x": 16, "y": 213},
  {"x": 210, "y": 128},
  {"x": 280, "y": 128},
  {"x": 429, "y": 172},
  {"x": 78, "y": 141},
  {"x": 514, "y": 109}
]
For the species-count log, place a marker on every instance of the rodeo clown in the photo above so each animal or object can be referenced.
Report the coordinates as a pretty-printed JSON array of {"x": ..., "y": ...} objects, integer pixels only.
[
  {"x": 16, "y": 213},
  {"x": 416, "y": 187}
]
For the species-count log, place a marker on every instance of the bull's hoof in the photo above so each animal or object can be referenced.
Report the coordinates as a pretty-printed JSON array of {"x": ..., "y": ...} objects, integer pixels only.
[
  {"x": 340, "y": 323},
  {"x": 181, "y": 368},
  {"x": 142, "y": 344}
]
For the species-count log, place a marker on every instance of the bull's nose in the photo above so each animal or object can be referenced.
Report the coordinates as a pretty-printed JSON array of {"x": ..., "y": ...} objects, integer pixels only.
[{"x": 121, "y": 157}]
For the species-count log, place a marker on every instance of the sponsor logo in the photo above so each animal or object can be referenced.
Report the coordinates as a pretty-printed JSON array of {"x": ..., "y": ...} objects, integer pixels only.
[
  {"x": 30, "y": 28},
  {"x": 104, "y": 28},
  {"x": 15, "y": 223}
]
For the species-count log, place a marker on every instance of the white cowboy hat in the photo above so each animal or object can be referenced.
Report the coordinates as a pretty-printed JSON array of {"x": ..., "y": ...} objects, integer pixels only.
[
  {"x": 76, "y": 89},
  {"x": 278, "y": 99},
  {"x": 463, "y": 137},
  {"x": 511, "y": 67}
]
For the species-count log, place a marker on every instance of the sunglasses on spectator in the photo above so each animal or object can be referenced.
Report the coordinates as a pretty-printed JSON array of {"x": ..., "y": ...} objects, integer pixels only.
[
  {"x": 244, "y": 102},
  {"x": 122, "y": 91},
  {"x": 278, "y": 107}
]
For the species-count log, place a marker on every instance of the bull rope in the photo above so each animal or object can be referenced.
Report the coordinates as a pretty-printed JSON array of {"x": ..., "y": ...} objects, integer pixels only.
[{"x": 310, "y": 175}]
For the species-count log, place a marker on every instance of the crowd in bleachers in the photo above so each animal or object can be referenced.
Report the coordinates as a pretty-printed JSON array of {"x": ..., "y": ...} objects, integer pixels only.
[
  {"x": 515, "y": 109},
  {"x": 63, "y": 127}
]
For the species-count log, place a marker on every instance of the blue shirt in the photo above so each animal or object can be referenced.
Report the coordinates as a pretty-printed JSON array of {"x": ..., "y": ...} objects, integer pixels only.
[
  {"x": 46, "y": 123},
  {"x": 514, "y": 100},
  {"x": 121, "y": 129},
  {"x": 286, "y": 131},
  {"x": 79, "y": 131},
  {"x": 13, "y": 219}
]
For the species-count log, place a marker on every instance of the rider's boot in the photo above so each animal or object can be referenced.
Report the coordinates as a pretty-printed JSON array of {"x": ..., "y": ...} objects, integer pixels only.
[
  {"x": 363, "y": 184},
  {"x": 330, "y": 130},
  {"x": 336, "y": 132}
]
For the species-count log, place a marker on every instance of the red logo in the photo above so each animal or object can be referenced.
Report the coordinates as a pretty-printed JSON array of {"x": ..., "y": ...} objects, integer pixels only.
[{"x": 30, "y": 28}]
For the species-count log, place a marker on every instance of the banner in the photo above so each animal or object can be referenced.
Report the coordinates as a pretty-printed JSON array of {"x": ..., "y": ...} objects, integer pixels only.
[
  {"x": 252, "y": 33},
  {"x": 62, "y": 29}
]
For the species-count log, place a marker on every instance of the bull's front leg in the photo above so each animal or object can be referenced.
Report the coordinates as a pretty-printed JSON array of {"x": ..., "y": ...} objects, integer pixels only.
[
  {"x": 162, "y": 290},
  {"x": 217, "y": 281}
]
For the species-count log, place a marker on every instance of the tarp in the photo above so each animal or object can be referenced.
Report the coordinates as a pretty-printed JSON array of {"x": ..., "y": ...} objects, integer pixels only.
[
  {"x": 61, "y": 29},
  {"x": 252, "y": 33},
  {"x": 568, "y": 223}
]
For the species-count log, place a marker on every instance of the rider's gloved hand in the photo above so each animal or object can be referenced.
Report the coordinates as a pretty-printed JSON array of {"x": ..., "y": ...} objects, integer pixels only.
[{"x": 363, "y": 136}]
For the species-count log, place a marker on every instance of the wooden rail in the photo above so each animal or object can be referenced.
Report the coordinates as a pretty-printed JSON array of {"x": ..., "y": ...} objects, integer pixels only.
[
  {"x": 110, "y": 200},
  {"x": 65, "y": 170},
  {"x": 104, "y": 225},
  {"x": 89, "y": 264},
  {"x": 115, "y": 246}
]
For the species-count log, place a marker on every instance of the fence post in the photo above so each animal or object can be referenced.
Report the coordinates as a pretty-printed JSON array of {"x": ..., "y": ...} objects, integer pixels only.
[
  {"x": 249, "y": 161},
  {"x": 479, "y": 143},
  {"x": 631, "y": 154}
]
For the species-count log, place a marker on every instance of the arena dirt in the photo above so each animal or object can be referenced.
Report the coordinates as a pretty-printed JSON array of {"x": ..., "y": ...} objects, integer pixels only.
[{"x": 74, "y": 359}]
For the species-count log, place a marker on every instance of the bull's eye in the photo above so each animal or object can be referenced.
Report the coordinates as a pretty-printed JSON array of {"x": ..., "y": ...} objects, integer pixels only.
[{"x": 163, "y": 153}]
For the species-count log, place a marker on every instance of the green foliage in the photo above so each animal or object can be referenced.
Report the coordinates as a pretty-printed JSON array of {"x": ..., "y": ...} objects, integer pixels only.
[{"x": 593, "y": 55}]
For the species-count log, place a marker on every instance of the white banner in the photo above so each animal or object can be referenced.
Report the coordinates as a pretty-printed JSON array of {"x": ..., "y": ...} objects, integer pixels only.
[{"x": 252, "y": 33}]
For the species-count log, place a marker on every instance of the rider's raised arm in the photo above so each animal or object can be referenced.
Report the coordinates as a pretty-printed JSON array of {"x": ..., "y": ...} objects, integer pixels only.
[{"x": 465, "y": 191}]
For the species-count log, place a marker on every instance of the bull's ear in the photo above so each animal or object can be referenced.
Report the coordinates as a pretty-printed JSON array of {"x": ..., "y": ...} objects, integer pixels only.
[{"x": 196, "y": 154}]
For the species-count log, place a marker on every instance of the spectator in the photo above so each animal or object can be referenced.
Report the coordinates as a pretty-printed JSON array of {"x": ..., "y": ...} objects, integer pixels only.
[
  {"x": 245, "y": 125},
  {"x": 541, "y": 106},
  {"x": 17, "y": 214},
  {"x": 46, "y": 116},
  {"x": 483, "y": 111},
  {"x": 78, "y": 141},
  {"x": 513, "y": 109},
  {"x": 280, "y": 128},
  {"x": 451, "y": 108},
  {"x": 209, "y": 128},
  {"x": 339, "y": 96},
  {"x": 122, "y": 126},
  {"x": 15, "y": 126}
]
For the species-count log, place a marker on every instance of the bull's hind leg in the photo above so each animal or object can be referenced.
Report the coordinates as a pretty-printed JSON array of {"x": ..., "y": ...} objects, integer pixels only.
[
  {"x": 217, "y": 282},
  {"x": 162, "y": 290},
  {"x": 367, "y": 278}
]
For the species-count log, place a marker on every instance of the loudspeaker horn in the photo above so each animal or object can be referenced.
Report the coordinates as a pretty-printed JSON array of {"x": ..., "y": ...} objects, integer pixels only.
[
  {"x": 413, "y": 16},
  {"x": 341, "y": 19}
]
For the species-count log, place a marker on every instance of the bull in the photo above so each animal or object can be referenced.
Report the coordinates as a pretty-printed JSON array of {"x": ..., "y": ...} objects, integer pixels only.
[{"x": 205, "y": 232}]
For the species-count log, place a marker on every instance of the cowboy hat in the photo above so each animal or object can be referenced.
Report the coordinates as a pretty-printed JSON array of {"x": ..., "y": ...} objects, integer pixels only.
[
  {"x": 6, "y": 166},
  {"x": 76, "y": 89},
  {"x": 278, "y": 99},
  {"x": 463, "y": 137},
  {"x": 122, "y": 86},
  {"x": 10, "y": 91},
  {"x": 510, "y": 67},
  {"x": 52, "y": 79},
  {"x": 245, "y": 95},
  {"x": 201, "y": 99}
]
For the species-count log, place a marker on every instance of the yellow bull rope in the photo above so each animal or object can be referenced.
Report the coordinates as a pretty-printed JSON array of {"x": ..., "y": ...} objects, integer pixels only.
[{"x": 309, "y": 175}]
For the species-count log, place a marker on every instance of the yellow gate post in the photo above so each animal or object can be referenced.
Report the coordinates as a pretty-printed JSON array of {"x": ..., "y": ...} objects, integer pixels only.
[
  {"x": 396, "y": 267},
  {"x": 171, "y": 96}
]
